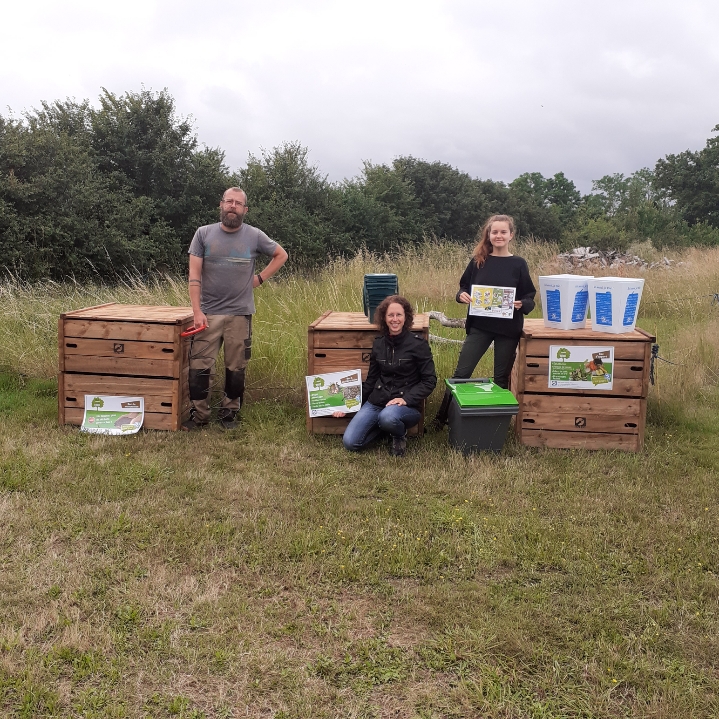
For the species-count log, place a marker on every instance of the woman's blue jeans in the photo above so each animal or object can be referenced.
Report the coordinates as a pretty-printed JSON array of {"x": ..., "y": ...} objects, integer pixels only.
[{"x": 371, "y": 420}]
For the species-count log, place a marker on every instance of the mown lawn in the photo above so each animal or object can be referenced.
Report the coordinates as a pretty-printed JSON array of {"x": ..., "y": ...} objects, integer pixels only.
[{"x": 266, "y": 573}]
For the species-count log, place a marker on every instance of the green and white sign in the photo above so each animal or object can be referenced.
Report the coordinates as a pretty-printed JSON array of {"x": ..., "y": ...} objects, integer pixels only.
[
  {"x": 334, "y": 392},
  {"x": 113, "y": 415},
  {"x": 584, "y": 367}
]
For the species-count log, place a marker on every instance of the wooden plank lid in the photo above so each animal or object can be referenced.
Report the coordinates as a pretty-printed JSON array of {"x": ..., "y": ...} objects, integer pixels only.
[
  {"x": 534, "y": 328},
  {"x": 358, "y": 321},
  {"x": 133, "y": 313}
]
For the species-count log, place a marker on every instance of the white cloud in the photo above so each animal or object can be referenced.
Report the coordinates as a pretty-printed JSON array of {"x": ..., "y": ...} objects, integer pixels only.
[{"x": 494, "y": 89}]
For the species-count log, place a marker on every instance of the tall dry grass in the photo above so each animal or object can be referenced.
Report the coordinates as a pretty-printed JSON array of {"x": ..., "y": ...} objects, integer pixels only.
[
  {"x": 676, "y": 306},
  {"x": 268, "y": 572}
]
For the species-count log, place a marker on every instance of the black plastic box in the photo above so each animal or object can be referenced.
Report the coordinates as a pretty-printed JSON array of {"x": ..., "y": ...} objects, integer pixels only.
[{"x": 479, "y": 428}]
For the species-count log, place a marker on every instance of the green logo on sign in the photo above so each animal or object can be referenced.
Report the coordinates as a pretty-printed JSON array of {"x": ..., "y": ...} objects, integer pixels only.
[
  {"x": 319, "y": 382},
  {"x": 97, "y": 402},
  {"x": 563, "y": 354}
]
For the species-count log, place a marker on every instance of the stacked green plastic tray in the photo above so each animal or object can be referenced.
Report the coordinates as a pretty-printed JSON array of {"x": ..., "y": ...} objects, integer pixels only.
[{"x": 376, "y": 288}]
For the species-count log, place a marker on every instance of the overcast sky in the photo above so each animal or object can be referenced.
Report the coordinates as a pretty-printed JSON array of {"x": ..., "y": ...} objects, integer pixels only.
[{"x": 493, "y": 88}]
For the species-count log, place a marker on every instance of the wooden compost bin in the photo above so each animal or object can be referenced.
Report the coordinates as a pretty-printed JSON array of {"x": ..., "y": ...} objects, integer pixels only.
[
  {"x": 587, "y": 419},
  {"x": 126, "y": 350},
  {"x": 343, "y": 341}
]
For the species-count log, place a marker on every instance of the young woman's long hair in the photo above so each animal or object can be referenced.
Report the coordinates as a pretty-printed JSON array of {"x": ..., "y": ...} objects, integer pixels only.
[
  {"x": 380, "y": 315},
  {"x": 484, "y": 246}
]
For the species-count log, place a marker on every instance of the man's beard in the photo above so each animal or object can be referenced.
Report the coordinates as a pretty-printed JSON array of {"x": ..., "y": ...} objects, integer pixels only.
[{"x": 231, "y": 223}]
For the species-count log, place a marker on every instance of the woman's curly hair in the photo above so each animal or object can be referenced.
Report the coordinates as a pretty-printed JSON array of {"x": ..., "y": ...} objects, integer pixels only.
[{"x": 380, "y": 315}]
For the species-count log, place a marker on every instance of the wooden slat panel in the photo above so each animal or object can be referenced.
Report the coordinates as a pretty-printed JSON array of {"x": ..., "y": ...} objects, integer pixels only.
[
  {"x": 117, "y": 386},
  {"x": 343, "y": 339},
  {"x": 180, "y": 348},
  {"x": 119, "y": 366},
  {"x": 60, "y": 403},
  {"x": 623, "y": 369},
  {"x": 140, "y": 313},
  {"x": 153, "y": 420},
  {"x": 183, "y": 392},
  {"x": 329, "y": 425},
  {"x": 622, "y": 387},
  {"x": 648, "y": 335},
  {"x": 534, "y": 327},
  {"x": 328, "y": 360},
  {"x": 319, "y": 319},
  {"x": 153, "y": 403},
  {"x": 579, "y": 422},
  {"x": 310, "y": 367},
  {"x": 647, "y": 365},
  {"x": 357, "y": 321},
  {"x": 337, "y": 425},
  {"x": 578, "y": 404},
  {"x": 60, "y": 344},
  {"x": 622, "y": 350},
  {"x": 138, "y": 331},
  {"x": 119, "y": 348},
  {"x": 580, "y": 440},
  {"x": 159, "y": 394},
  {"x": 516, "y": 380},
  {"x": 347, "y": 339},
  {"x": 61, "y": 369}
]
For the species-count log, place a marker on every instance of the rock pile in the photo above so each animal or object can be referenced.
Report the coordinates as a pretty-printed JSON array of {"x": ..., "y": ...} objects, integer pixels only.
[{"x": 585, "y": 257}]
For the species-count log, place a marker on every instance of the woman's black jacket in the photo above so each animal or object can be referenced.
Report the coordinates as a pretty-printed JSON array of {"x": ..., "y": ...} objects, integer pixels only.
[{"x": 399, "y": 366}]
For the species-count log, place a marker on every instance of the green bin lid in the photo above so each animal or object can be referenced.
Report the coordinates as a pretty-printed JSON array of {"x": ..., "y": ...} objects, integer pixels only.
[{"x": 480, "y": 394}]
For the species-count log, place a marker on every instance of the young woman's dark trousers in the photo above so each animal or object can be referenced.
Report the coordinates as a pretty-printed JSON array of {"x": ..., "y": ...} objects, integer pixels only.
[{"x": 476, "y": 344}]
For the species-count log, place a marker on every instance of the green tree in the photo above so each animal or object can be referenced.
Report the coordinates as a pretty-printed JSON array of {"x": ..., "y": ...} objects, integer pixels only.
[
  {"x": 529, "y": 205},
  {"x": 86, "y": 190},
  {"x": 450, "y": 203},
  {"x": 690, "y": 181},
  {"x": 150, "y": 152},
  {"x": 294, "y": 204}
]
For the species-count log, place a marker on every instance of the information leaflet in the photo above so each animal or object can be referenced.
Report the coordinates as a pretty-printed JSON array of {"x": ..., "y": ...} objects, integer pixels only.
[
  {"x": 583, "y": 367},
  {"x": 334, "y": 392},
  {"x": 113, "y": 415},
  {"x": 492, "y": 301}
]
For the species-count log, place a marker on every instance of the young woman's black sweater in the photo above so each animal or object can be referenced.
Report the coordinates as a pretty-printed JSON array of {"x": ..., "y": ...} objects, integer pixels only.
[{"x": 500, "y": 272}]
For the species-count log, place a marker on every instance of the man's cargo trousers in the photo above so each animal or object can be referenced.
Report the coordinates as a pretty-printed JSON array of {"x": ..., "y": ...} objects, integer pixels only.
[{"x": 235, "y": 333}]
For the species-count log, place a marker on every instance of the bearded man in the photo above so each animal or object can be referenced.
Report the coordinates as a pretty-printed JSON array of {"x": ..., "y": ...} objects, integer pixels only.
[{"x": 222, "y": 280}]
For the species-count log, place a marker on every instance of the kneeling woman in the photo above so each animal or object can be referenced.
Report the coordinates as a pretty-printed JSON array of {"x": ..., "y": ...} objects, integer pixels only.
[{"x": 401, "y": 374}]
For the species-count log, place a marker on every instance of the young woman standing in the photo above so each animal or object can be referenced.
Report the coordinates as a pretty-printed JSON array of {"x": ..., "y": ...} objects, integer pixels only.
[{"x": 494, "y": 265}]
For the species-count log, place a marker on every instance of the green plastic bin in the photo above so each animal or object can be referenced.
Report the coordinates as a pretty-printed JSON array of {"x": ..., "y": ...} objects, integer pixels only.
[{"x": 479, "y": 415}]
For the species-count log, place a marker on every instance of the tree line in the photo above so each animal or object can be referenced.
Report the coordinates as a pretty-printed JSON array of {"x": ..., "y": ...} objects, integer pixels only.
[{"x": 97, "y": 190}]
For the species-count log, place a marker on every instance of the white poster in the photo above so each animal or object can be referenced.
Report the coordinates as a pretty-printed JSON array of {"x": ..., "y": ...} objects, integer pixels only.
[
  {"x": 113, "y": 415},
  {"x": 334, "y": 392},
  {"x": 492, "y": 301},
  {"x": 584, "y": 367}
]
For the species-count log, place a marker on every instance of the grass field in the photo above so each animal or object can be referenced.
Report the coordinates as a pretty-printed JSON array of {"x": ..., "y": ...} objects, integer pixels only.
[{"x": 266, "y": 573}]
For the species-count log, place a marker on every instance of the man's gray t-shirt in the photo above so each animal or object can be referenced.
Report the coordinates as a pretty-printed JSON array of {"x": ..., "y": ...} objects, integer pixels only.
[{"x": 228, "y": 266}]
